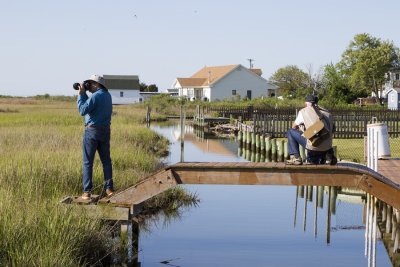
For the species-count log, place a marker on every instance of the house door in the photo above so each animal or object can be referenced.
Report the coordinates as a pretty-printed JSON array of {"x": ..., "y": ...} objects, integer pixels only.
[
  {"x": 198, "y": 93},
  {"x": 249, "y": 94}
]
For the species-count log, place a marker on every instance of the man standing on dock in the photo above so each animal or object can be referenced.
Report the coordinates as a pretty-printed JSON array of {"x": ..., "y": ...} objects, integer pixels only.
[
  {"x": 97, "y": 110},
  {"x": 320, "y": 152}
]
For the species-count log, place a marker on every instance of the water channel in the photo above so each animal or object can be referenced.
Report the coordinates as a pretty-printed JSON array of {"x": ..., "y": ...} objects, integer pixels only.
[{"x": 256, "y": 225}]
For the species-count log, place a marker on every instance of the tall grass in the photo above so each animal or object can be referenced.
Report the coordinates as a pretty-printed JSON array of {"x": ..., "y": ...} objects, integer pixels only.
[{"x": 41, "y": 161}]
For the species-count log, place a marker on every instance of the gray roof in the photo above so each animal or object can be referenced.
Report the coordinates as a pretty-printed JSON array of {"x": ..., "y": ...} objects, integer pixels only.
[{"x": 122, "y": 82}]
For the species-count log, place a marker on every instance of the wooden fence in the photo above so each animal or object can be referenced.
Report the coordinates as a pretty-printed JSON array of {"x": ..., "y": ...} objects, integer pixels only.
[{"x": 350, "y": 123}]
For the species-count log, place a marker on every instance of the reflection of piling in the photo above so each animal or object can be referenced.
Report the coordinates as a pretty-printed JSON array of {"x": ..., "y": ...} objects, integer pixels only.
[
  {"x": 333, "y": 195},
  {"x": 300, "y": 192},
  {"x": 320, "y": 198},
  {"x": 310, "y": 193},
  {"x": 305, "y": 209},
  {"x": 388, "y": 223},
  {"x": 328, "y": 217},
  {"x": 316, "y": 212},
  {"x": 295, "y": 206}
]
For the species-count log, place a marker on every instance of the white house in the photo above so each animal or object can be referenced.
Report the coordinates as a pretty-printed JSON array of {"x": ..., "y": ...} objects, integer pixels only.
[
  {"x": 124, "y": 89},
  {"x": 224, "y": 82}
]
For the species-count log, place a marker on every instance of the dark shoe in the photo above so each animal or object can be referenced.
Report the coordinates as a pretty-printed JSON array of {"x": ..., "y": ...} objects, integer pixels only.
[
  {"x": 294, "y": 160},
  {"x": 109, "y": 192},
  {"x": 330, "y": 159},
  {"x": 86, "y": 196}
]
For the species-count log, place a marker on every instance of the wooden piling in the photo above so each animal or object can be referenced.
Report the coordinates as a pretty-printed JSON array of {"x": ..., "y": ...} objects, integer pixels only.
[
  {"x": 248, "y": 139},
  {"x": 273, "y": 150},
  {"x": 279, "y": 150},
  {"x": 286, "y": 150},
  {"x": 268, "y": 147},
  {"x": 302, "y": 153},
  {"x": 262, "y": 142},
  {"x": 257, "y": 137}
]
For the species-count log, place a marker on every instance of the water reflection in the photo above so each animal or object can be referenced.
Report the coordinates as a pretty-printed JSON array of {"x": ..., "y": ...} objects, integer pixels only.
[
  {"x": 238, "y": 225},
  {"x": 267, "y": 225},
  {"x": 196, "y": 148}
]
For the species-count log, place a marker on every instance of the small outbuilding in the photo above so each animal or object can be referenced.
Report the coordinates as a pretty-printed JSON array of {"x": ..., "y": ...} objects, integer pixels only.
[
  {"x": 393, "y": 98},
  {"x": 124, "y": 89}
]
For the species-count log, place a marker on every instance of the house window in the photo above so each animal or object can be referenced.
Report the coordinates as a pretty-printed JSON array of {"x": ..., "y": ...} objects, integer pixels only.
[
  {"x": 397, "y": 76},
  {"x": 248, "y": 94},
  {"x": 121, "y": 94},
  {"x": 233, "y": 92}
]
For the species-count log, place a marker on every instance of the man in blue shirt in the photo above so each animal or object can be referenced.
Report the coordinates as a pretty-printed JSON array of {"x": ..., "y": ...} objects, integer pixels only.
[{"x": 97, "y": 110}]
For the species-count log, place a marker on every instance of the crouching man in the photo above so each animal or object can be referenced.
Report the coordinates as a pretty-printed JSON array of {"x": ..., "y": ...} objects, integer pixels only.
[{"x": 319, "y": 147}]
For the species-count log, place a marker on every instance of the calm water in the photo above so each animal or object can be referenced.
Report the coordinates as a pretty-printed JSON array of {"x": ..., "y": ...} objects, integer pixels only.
[{"x": 255, "y": 225}]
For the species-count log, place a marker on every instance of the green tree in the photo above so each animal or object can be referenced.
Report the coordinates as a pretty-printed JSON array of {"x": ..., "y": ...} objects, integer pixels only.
[
  {"x": 335, "y": 87},
  {"x": 152, "y": 88},
  {"x": 365, "y": 62},
  {"x": 292, "y": 81},
  {"x": 148, "y": 88},
  {"x": 142, "y": 87}
]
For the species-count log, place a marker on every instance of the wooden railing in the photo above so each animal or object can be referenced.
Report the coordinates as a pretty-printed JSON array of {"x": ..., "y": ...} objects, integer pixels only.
[{"x": 350, "y": 123}]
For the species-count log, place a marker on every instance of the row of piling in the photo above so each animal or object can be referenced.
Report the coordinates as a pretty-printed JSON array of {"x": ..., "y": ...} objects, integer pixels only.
[
  {"x": 268, "y": 148},
  {"x": 388, "y": 221}
]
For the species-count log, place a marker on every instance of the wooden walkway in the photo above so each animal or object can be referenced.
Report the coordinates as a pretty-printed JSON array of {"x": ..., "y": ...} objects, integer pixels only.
[
  {"x": 390, "y": 168},
  {"x": 386, "y": 188}
]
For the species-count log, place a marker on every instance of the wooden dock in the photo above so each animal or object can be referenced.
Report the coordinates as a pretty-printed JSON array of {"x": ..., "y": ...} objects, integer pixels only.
[
  {"x": 385, "y": 188},
  {"x": 382, "y": 188}
]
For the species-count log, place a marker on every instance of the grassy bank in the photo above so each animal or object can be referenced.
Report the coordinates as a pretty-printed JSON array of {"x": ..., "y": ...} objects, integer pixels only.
[{"x": 40, "y": 162}]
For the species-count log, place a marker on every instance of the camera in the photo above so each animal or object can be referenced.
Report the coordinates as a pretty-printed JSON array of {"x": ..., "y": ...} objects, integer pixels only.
[{"x": 86, "y": 85}]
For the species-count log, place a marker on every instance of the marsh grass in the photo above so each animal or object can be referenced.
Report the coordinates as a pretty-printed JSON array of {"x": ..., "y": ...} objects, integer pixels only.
[{"x": 40, "y": 162}]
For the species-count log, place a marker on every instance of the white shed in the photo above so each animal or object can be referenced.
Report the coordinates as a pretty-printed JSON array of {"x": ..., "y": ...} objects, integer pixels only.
[{"x": 124, "y": 89}]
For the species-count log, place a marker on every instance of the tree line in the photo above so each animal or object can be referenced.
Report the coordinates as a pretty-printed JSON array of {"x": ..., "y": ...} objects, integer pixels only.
[{"x": 359, "y": 73}]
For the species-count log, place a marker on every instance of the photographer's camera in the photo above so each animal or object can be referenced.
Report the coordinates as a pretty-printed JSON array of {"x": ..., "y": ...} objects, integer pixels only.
[{"x": 86, "y": 86}]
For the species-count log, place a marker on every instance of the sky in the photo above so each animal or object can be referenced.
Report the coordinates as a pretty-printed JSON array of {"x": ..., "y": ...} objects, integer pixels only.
[{"x": 48, "y": 45}]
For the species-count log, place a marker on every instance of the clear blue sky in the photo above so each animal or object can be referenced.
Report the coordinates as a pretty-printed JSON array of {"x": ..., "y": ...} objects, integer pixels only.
[{"x": 47, "y": 45}]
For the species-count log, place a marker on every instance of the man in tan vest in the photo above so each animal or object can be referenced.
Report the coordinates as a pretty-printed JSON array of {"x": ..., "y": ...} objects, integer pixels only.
[{"x": 308, "y": 116}]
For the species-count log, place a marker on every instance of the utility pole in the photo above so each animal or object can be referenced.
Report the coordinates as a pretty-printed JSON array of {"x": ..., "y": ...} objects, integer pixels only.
[{"x": 250, "y": 61}]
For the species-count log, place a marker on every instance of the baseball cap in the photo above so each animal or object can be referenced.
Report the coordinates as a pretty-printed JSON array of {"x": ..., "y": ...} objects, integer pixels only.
[{"x": 312, "y": 99}]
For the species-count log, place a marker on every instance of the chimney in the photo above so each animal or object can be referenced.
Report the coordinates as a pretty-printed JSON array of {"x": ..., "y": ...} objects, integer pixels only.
[{"x": 209, "y": 77}]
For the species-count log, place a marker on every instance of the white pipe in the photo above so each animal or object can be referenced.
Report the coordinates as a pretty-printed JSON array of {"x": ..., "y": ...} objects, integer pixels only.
[{"x": 376, "y": 151}]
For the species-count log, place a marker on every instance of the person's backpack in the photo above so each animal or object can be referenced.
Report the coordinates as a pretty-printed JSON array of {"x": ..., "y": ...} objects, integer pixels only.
[{"x": 318, "y": 132}]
